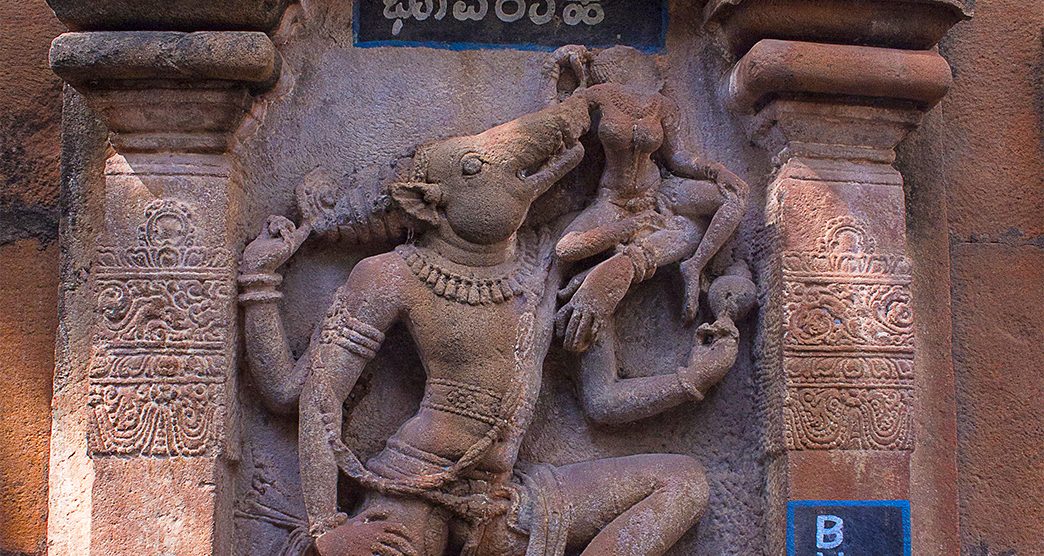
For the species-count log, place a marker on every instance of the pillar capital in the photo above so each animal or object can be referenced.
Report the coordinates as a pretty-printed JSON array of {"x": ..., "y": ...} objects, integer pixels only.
[
  {"x": 902, "y": 24},
  {"x": 160, "y": 15},
  {"x": 167, "y": 90}
]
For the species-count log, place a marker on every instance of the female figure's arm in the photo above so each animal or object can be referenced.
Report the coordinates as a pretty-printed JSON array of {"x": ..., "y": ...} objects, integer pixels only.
[
  {"x": 609, "y": 399},
  {"x": 567, "y": 72}
]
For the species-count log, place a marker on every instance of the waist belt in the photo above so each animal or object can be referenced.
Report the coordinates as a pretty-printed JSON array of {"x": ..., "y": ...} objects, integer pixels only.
[{"x": 466, "y": 400}]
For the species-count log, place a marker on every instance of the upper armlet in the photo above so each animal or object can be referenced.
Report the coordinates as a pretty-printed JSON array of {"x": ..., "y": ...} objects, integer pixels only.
[{"x": 372, "y": 295}]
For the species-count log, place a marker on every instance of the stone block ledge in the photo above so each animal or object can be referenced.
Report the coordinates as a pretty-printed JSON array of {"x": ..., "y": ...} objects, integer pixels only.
[
  {"x": 106, "y": 56},
  {"x": 776, "y": 68}
]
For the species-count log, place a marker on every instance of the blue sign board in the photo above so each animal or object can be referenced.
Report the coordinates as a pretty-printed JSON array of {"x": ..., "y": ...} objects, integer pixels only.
[
  {"x": 518, "y": 24},
  {"x": 848, "y": 528}
]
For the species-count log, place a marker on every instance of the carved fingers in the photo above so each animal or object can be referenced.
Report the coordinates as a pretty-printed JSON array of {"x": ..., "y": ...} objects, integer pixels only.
[
  {"x": 567, "y": 292},
  {"x": 593, "y": 303},
  {"x": 278, "y": 241},
  {"x": 578, "y": 324},
  {"x": 575, "y": 57},
  {"x": 713, "y": 332},
  {"x": 394, "y": 540},
  {"x": 713, "y": 355},
  {"x": 365, "y": 536}
]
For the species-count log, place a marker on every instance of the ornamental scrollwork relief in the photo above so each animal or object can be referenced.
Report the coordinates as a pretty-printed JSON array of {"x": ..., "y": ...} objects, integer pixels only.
[
  {"x": 160, "y": 354},
  {"x": 847, "y": 343}
]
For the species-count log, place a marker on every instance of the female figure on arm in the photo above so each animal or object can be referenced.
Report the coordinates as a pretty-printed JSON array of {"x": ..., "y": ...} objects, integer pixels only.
[{"x": 657, "y": 201}]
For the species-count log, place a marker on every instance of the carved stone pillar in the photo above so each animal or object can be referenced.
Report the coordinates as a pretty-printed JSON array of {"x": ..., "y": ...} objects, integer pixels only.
[
  {"x": 830, "y": 88},
  {"x": 160, "y": 402}
]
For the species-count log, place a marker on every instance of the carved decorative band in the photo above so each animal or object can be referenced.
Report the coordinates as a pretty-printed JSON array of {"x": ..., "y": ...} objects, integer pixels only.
[
  {"x": 873, "y": 418},
  {"x": 838, "y": 344},
  {"x": 159, "y": 362},
  {"x": 342, "y": 329}
]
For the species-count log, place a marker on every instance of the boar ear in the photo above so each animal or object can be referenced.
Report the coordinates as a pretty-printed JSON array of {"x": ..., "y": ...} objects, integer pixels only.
[{"x": 419, "y": 199}]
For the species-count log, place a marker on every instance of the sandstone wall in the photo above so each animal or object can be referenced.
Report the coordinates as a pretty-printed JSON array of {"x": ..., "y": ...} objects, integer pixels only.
[
  {"x": 29, "y": 128},
  {"x": 977, "y": 199}
]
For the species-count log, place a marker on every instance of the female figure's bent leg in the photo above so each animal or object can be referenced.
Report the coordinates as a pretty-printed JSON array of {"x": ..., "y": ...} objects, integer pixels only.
[
  {"x": 724, "y": 202},
  {"x": 633, "y": 506},
  {"x": 600, "y": 227}
]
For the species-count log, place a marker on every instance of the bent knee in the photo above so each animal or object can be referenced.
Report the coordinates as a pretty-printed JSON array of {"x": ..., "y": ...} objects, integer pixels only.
[
  {"x": 685, "y": 476},
  {"x": 685, "y": 470}
]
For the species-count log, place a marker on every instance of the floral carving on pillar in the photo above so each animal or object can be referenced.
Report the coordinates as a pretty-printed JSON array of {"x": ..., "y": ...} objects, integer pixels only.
[
  {"x": 159, "y": 368},
  {"x": 847, "y": 344}
]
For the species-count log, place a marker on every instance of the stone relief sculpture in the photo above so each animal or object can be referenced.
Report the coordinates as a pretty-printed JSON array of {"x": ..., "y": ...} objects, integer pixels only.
[
  {"x": 650, "y": 208},
  {"x": 478, "y": 287},
  {"x": 155, "y": 375}
]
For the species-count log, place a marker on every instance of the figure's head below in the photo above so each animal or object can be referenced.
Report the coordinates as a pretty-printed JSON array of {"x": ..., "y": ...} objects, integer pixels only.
[
  {"x": 479, "y": 187},
  {"x": 626, "y": 66}
]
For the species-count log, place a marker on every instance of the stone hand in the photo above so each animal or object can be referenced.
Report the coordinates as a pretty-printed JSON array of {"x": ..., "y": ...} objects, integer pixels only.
[
  {"x": 362, "y": 536},
  {"x": 573, "y": 56},
  {"x": 278, "y": 241},
  {"x": 713, "y": 355},
  {"x": 589, "y": 308},
  {"x": 566, "y": 293}
]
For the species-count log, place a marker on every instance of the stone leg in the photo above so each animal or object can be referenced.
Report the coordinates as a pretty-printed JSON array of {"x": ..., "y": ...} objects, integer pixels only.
[{"x": 635, "y": 505}]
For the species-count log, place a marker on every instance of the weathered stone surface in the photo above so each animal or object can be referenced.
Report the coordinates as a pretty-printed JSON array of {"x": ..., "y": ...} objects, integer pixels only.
[
  {"x": 115, "y": 56},
  {"x": 29, "y": 126},
  {"x": 29, "y": 129},
  {"x": 998, "y": 335},
  {"x": 779, "y": 68},
  {"x": 933, "y": 465},
  {"x": 71, "y": 469},
  {"x": 28, "y": 315},
  {"x": 903, "y": 24},
  {"x": 485, "y": 291},
  {"x": 358, "y": 127},
  {"x": 829, "y": 113},
  {"x": 979, "y": 152},
  {"x": 209, "y": 15}
]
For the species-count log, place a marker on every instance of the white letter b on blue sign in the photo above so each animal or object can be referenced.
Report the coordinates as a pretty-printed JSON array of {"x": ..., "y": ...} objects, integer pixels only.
[{"x": 828, "y": 531}]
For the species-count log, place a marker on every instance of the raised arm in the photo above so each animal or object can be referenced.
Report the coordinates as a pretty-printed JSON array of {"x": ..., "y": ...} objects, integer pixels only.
[
  {"x": 277, "y": 375},
  {"x": 349, "y": 337}
]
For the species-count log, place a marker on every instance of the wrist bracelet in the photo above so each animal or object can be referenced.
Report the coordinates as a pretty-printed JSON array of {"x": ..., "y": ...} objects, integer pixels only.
[
  {"x": 641, "y": 258},
  {"x": 259, "y": 279},
  {"x": 327, "y": 524},
  {"x": 260, "y": 296},
  {"x": 693, "y": 391}
]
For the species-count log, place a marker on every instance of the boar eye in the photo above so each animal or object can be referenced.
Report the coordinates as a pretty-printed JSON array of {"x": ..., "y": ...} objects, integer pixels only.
[{"x": 471, "y": 164}]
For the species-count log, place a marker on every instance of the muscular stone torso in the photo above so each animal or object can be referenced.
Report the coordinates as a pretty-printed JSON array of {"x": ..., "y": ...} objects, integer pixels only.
[{"x": 476, "y": 368}]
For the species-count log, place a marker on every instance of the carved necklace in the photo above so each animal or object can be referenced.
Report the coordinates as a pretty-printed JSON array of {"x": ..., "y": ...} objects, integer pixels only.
[{"x": 474, "y": 285}]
